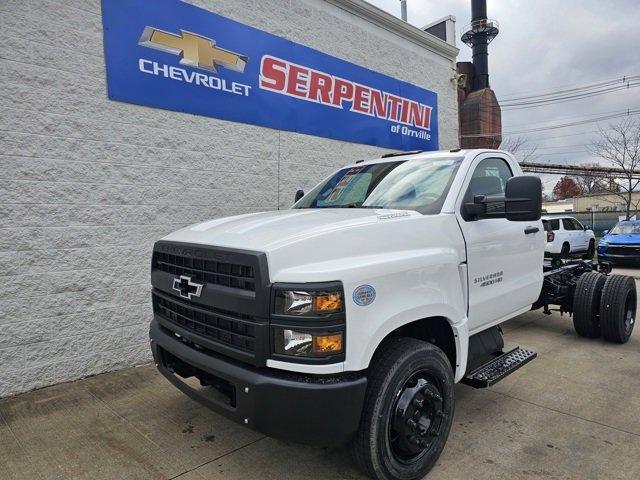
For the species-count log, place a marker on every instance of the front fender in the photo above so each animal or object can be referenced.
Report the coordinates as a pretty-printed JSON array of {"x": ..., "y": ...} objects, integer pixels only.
[{"x": 459, "y": 329}]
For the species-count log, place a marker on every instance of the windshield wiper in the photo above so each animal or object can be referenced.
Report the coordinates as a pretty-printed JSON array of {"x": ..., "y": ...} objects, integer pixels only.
[{"x": 358, "y": 205}]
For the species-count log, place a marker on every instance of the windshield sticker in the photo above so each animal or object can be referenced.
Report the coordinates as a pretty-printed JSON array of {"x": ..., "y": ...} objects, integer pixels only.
[{"x": 364, "y": 295}]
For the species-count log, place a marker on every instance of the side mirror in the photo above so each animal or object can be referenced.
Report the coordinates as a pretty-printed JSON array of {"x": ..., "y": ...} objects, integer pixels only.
[
  {"x": 587, "y": 227},
  {"x": 604, "y": 232},
  {"x": 299, "y": 195},
  {"x": 523, "y": 199},
  {"x": 522, "y": 202}
]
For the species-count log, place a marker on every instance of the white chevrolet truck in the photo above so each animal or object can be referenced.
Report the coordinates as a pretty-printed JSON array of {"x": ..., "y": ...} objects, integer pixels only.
[{"x": 349, "y": 317}]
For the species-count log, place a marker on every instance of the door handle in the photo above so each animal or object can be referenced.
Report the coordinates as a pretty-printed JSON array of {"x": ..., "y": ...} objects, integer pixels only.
[{"x": 529, "y": 230}]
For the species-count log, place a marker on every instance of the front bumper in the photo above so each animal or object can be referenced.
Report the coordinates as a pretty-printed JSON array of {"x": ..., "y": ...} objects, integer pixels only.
[
  {"x": 320, "y": 410},
  {"x": 621, "y": 254}
]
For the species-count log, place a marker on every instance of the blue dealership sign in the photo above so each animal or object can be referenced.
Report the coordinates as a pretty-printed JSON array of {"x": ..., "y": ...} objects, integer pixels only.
[{"x": 176, "y": 56}]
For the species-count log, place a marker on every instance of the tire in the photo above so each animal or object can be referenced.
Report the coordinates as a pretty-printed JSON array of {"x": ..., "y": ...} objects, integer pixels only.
[
  {"x": 591, "y": 250},
  {"x": 565, "y": 252},
  {"x": 407, "y": 376},
  {"x": 586, "y": 304},
  {"x": 618, "y": 308}
]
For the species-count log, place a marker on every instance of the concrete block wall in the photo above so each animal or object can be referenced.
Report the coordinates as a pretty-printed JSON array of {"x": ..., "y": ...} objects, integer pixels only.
[{"x": 87, "y": 185}]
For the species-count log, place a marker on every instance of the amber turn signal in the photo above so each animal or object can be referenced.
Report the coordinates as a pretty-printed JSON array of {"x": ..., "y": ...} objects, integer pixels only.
[
  {"x": 331, "y": 302},
  {"x": 327, "y": 343}
]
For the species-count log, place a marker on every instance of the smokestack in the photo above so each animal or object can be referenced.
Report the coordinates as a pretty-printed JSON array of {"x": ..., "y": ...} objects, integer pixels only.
[
  {"x": 403, "y": 10},
  {"x": 480, "y": 115},
  {"x": 480, "y": 33}
]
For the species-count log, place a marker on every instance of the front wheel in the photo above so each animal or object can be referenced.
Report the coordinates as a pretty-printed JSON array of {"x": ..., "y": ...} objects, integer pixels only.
[{"x": 407, "y": 413}]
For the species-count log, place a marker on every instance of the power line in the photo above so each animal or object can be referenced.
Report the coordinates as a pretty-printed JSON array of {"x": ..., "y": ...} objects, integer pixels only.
[
  {"x": 558, "y": 126},
  {"x": 561, "y": 146},
  {"x": 564, "y": 99},
  {"x": 560, "y": 153},
  {"x": 561, "y": 169},
  {"x": 573, "y": 117},
  {"x": 555, "y": 100},
  {"x": 631, "y": 78}
]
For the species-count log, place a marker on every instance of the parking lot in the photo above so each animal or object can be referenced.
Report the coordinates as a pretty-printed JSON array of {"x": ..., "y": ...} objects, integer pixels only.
[{"x": 574, "y": 412}]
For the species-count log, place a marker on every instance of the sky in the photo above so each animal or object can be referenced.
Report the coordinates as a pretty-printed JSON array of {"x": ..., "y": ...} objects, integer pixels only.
[{"x": 550, "y": 45}]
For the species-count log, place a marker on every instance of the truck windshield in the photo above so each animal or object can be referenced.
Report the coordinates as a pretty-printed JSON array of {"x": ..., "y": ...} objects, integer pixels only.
[{"x": 420, "y": 185}]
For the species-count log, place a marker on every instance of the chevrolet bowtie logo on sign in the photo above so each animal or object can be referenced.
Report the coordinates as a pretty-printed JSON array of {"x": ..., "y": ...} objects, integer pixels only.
[
  {"x": 194, "y": 50},
  {"x": 168, "y": 54}
]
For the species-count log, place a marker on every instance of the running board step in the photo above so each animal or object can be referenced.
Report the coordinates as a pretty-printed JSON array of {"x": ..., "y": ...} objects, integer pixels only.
[{"x": 499, "y": 367}]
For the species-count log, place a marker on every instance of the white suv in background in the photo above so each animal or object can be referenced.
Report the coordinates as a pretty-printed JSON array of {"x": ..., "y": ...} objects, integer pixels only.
[{"x": 567, "y": 236}]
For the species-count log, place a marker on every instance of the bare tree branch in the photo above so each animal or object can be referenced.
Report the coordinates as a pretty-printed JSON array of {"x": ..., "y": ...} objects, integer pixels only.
[
  {"x": 619, "y": 146},
  {"x": 519, "y": 147}
]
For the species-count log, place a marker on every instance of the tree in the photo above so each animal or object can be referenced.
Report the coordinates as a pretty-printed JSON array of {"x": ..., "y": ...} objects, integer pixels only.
[
  {"x": 519, "y": 147},
  {"x": 619, "y": 146},
  {"x": 566, "y": 188},
  {"x": 591, "y": 182}
]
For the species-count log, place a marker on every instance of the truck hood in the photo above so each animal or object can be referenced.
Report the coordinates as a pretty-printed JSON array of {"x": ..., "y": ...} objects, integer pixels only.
[{"x": 268, "y": 231}]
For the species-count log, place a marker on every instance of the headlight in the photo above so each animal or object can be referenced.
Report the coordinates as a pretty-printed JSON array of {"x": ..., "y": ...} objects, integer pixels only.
[
  {"x": 307, "y": 344},
  {"x": 308, "y": 322},
  {"x": 300, "y": 302}
]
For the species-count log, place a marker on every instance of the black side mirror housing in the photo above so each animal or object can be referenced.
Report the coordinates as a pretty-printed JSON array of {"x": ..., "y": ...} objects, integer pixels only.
[
  {"x": 299, "y": 195},
  {"x": 522, "y": 202},
  {"x": 523, "y": 198}
]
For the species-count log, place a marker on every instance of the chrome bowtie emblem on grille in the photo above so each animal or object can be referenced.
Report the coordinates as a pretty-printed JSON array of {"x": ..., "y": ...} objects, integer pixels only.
[{"x": 186, "y": 287}]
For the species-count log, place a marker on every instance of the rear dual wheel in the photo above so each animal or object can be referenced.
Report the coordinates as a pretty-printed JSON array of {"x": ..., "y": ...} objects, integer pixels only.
[
  {"x": 605, "y": 305},
  {"x": 586, "y": 304},
  {"x": 618, "y": 308},
  {"x": 407, "y": 413}
]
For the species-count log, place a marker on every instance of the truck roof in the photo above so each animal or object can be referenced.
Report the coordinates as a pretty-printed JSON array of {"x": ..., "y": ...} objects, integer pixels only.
[{"x": 400, "y": 156}]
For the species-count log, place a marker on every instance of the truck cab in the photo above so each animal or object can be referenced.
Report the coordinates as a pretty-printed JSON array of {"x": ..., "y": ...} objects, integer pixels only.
[{"x": 349, "y": 317}]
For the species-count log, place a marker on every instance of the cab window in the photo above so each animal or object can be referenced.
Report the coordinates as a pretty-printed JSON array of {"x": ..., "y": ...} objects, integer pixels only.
[{"x": 490, "y": 179}]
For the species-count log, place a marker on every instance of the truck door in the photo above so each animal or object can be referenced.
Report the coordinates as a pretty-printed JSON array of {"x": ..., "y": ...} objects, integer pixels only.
[{"x": 504, "y": 258}]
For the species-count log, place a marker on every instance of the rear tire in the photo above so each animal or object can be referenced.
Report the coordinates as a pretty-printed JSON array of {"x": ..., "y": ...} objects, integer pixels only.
[
  {"x": 586, "y": 304},
  {"x": 565, "y": 252},
  {"x": 407, "y": 412},
  {"x": 618, "y": 308}
]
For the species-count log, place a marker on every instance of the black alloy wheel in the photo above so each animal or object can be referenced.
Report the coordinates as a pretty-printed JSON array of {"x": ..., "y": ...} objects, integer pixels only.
[{"x": 416, "y": 417}]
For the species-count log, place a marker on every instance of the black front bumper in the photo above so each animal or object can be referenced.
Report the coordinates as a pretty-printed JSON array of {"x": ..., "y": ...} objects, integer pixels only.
[
  {"x": 320, "y": 410},
  {"x": 620, "y": 259}
]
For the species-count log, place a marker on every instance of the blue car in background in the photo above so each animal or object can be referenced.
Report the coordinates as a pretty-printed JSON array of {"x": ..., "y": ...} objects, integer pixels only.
[{"x": 621, "y": 244}]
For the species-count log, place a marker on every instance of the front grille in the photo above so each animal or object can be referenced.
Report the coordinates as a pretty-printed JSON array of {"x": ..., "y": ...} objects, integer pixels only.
[
  {"x": 220, "y": 326},
  {"x": 231, "y": 275},
  {"x": 630, "y": 250}
]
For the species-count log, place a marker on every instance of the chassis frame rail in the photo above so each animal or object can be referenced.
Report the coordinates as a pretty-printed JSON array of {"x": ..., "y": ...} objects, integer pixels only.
[{"x": 559, "y": 285}]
